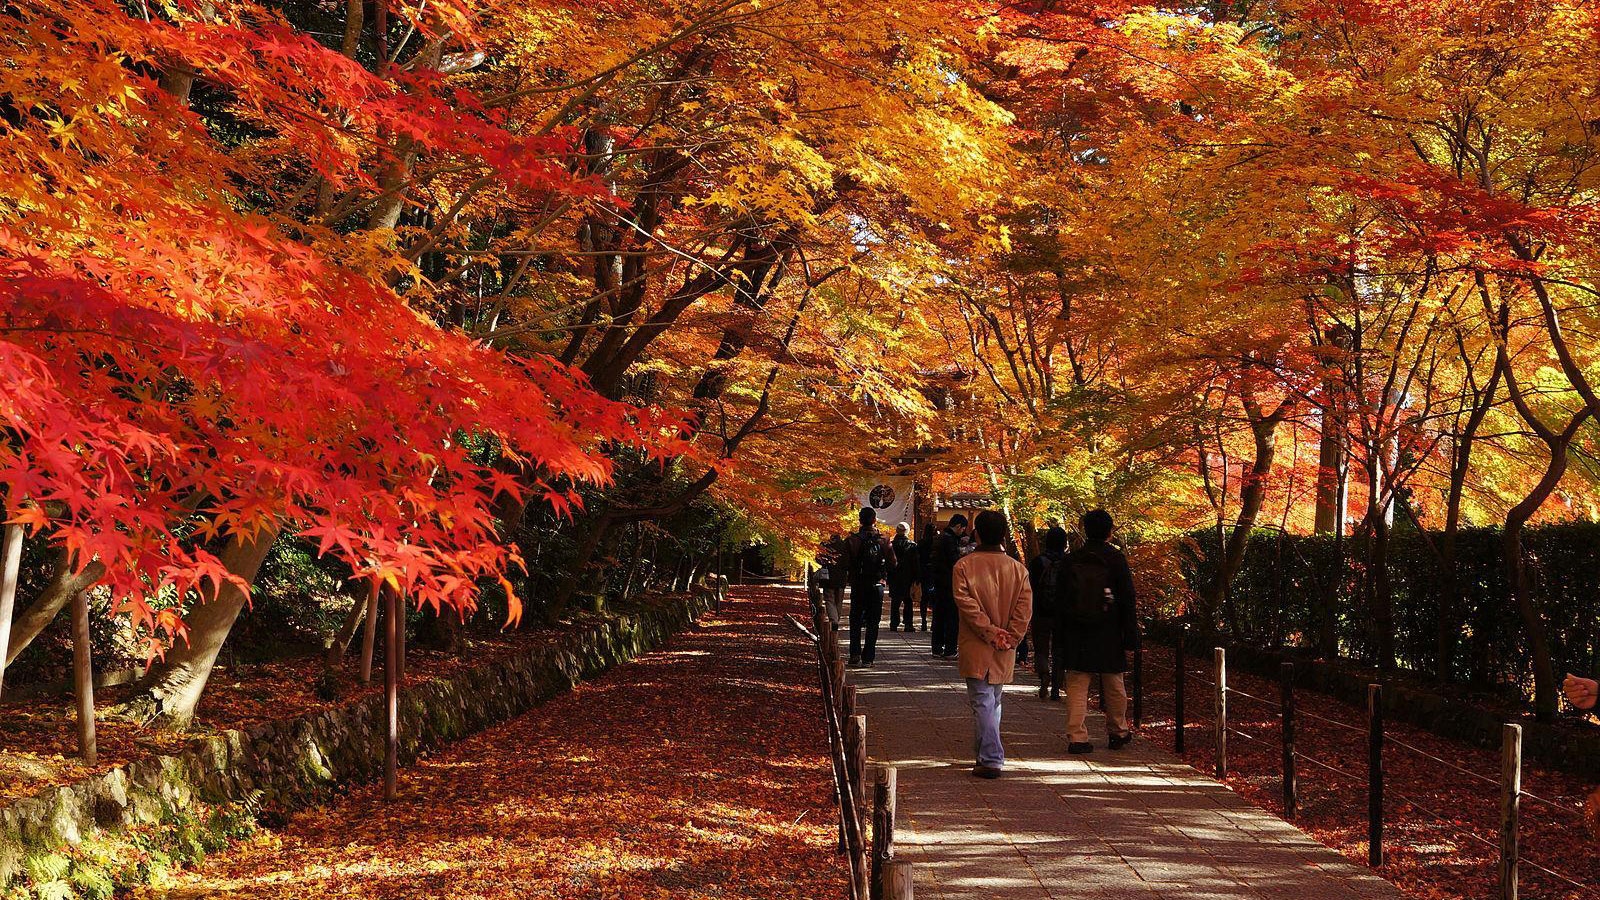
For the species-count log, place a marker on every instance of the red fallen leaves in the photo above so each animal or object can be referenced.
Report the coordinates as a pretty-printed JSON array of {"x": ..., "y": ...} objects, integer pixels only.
[
  {"x": 698, "y": 771},
  {"x": 40, "y": 744},
  {"x": 1425, "y": 857}
]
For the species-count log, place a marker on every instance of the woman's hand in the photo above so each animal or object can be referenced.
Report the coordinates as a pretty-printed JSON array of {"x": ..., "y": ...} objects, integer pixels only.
[{"x": 1581, "y": 692}]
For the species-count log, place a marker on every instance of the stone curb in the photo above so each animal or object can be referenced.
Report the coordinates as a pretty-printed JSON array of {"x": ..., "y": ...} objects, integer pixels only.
[{"x": 294, "y": 763}]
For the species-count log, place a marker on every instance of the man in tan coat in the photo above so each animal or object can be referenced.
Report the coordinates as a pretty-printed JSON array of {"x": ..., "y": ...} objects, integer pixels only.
[{"x": 995, "y": 602}]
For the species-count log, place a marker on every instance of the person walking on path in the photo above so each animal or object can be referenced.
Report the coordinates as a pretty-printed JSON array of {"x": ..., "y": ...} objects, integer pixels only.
[
  {"x": 1099, "y": 632},
  {"x": 925, "y": 548},
  {"x": 831, "y": 578},
  {"x": 994, "y": 601},
  {"x": 903, "y": 577},
  {"x": 1048, "y": 574},
  {"x": 946, "y": 553},
  {"x": 868, "y": 557}
]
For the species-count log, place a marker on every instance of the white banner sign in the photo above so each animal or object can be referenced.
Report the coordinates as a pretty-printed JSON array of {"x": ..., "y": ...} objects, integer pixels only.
[{"x": 892, "y": 496}]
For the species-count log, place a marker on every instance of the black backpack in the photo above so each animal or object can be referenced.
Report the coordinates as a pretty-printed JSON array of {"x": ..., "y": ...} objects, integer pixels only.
[
  {"x": 1047, "y": 596},
  {"x": 866, "y": 564},
  {"x": 1092, "y": 598}
]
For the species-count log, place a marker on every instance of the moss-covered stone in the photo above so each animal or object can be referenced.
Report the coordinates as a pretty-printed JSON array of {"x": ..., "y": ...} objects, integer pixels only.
[{"x": 76, "y": 841}]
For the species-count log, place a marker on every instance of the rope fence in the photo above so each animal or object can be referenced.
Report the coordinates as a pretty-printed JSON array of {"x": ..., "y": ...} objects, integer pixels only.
[{"x": 1508, "y": 785}]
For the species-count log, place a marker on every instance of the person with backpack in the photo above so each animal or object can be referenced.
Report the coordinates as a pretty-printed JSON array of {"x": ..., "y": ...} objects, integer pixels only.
[
  {"x": 1048, "y": 574},
  {"x": 902, "y": 577},
  {"x": 1098, "y": 633},
  {"x": 947, "y": 551},
  {"x": 994, "y": 602},
  {"x": 868, "y": 557}
]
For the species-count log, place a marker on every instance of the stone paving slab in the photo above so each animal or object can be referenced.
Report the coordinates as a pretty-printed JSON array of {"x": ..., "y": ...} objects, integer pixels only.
[{"x": 1136, "y": 824}]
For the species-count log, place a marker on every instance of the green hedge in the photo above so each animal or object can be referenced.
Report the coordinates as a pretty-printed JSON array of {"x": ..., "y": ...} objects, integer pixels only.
[{"x": 1288, "y": 582}]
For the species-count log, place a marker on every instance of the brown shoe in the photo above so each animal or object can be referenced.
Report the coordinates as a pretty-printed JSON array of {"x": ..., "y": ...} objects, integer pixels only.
[{"x": 985, "y": 772}]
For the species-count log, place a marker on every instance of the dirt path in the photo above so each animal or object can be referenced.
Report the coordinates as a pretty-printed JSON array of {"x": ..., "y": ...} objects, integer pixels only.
[{"x": 697, "y": 771}]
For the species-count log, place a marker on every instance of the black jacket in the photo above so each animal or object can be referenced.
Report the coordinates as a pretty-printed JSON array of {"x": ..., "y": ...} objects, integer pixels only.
[
  {"x": 1045, "y": 603},
  {"x": 905, "y": 573},
  {"x": 853, "y": 552},
  {"x": 946, "y": 553},
  {"x": 1104, "y": 647}
]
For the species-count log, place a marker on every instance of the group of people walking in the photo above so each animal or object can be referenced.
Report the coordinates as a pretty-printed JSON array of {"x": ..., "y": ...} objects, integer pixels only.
[{"x": 1076, "y": 603}]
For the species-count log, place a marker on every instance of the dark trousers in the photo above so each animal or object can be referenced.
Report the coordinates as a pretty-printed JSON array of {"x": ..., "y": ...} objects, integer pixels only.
[
  {"x": 946, "y": 623},
  {"x": 866, "y": 613},
  {"x": 899, "y": 599},
  {"x": 1046, "y": 632},
  {"x": 927, "y": 605}
]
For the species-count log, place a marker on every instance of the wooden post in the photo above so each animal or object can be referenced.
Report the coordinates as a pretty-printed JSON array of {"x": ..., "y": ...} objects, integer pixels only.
[
  {"x": 883, "y": 811},
  {"x": 1291, "y": 797},
  {"x": 1221, "y": 657},
  {"x": 10, "y": 565},
  {"x": 860, "y": 866},
  {"x": 1138, "y": 687},
  {"x": 1177, "y": 696},
  {"x": 1510, "y": 807},
  {"x": 391, "y": 696},
  {"x": 856, "y": 735},
  {"x": 369, "y": 630},
  {"x": 1375, "y": 775},
  {"x": 897, "y": 881},
  {"x": 83, "y": 677}
]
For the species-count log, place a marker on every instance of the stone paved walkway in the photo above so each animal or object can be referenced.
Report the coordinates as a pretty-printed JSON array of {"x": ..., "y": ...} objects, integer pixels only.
[{"x": 1136, "y": 824}]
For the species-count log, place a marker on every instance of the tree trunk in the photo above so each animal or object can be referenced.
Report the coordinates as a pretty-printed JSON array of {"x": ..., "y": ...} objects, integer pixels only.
[
  {"x": 369, "y": 634},
  {"x": 45, "y": 607},
  {"x": 171, "y": 691},
  {"x": 347, "y": 632},
  {"x": 1263, "y": 428},
  {"x": 83, "y": 678},
  {"x": 10, "y": 566},
  {"x": 1521, "y": 585}
]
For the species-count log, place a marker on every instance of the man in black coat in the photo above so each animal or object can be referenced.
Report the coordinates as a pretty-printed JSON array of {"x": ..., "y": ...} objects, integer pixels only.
[
  {"x": 902, "y": 577},
  {"x": 868, "y": 557},
  {"x": 1099, "y": 632},
  {"x": 949, "y": 549},
  {"x": 1050, "y": 574},
  {"x": 930, "y": 587}
]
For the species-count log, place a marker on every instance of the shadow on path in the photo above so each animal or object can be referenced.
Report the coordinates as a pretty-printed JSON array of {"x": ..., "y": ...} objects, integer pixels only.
[{"x": 1135, "y": 823}]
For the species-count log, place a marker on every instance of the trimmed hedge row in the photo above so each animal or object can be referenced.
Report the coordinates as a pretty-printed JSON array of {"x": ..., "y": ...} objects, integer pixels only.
[{"x": 1289, "y": 584}]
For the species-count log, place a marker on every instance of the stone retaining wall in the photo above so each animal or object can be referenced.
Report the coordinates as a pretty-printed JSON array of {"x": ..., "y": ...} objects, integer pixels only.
[{"x": 296, "y": 762}]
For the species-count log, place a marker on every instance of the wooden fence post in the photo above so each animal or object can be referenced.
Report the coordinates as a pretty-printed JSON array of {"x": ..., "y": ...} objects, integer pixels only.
[
  {"x": 83, "y": 677},
  {"x": 1221, "y": 658},
  {"x": 391, "y": 695},
  {"x": 1291, "y": 797},
  {"x": 10, "y": 566},
  {"x": 1138, "y": 687},
  {"x": 897, "y": 881},
  {"x": 883, "y": 812},
  {"x": 1375, "y": 775},
  {"x": 856, "y": 736},
  {"x": 1510, "y": 807},
  {"x": 1177, "y": 696},
  {"x": 859, "y": 851}
]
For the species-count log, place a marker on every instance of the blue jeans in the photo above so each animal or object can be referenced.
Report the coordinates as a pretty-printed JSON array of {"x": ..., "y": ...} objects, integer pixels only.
[{"x": 985, "y": 700}]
